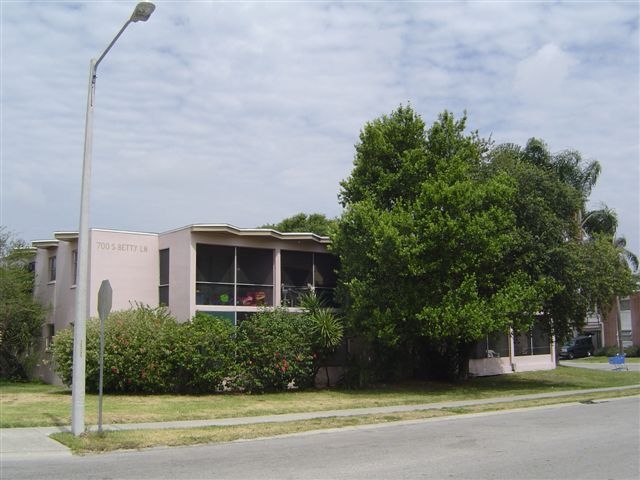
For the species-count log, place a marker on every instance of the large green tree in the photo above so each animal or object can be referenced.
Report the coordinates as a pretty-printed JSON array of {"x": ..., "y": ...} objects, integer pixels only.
[
  {"x": 560, "y": 242},
  {"x": 424, "y": 240},
  {"x": 446, "y": 238},
  {"x": 551, "y": 193},
  {"x": 21, "y": 318}
]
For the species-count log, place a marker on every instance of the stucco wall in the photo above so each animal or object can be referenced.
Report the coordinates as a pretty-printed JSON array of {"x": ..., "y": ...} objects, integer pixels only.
[
  {"x": 130, "y": 262},
  {"x": 182, "y": 276}
]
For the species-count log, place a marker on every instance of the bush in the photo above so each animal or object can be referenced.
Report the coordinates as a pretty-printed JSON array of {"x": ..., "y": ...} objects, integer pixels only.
[
  {"x": 275, "y": 351},
  {"x": 136, "y": 352},
  {"x": 137, "y": 356},
  {"x": 633, "y": 351},
  {"x": 606, "y": 352},
  {"x": 203, "y": 355},
  {"x": 147, "y": 351}
]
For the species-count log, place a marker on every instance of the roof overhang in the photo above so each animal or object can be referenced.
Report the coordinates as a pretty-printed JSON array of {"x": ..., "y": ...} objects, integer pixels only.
[
  {"x": 44, "y": 243},
  {"x": 258, "y": 232},
  {"x": 66, "y": 236}
]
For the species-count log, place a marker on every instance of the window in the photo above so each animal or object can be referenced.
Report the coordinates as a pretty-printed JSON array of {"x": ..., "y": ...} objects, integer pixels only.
[
  {"x": 625, "y": 304},
  {"x": 304, "y": 270},
  {"x": 534, "y": 342},
  {"x": 234, "y": 318},
  {"x": 74, "y": 267},
  {"x": 492, "y": 346},
  {"x": 254, "y": 277},
  {"x": 50, "y": 330},
  {"x": 234, "y": 276},
  {"x": 228, "y": 316},
  {"x": 325, "y": 277},
  {"x": 297, "y": 276},
  {"x": 52, "y": 268},
  {"x": 163, "y": 289}
]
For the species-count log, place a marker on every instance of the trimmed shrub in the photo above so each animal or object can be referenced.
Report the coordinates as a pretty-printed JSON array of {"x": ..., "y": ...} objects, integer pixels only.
[
  {"x": 275, "y": 351},
  {"x": 148, "y": 351},
  {"x": 203, "y": 355},
  {"x": 136, "y": 352}
]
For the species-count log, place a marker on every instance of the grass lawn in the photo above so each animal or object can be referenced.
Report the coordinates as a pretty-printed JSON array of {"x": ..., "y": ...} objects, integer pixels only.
[
  {"x": 139, "y": 439},
  {"x": 31, "y": 404}
]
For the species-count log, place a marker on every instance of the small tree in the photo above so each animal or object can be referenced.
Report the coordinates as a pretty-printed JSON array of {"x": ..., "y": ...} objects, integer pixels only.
[{"x": 21, "y": 317}]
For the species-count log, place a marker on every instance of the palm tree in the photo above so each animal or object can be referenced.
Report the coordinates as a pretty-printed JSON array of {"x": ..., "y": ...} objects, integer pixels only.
[{"x": 605, "y": 222}]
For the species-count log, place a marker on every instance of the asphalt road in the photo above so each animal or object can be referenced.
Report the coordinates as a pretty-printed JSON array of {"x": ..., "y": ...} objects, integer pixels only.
[{"x": 578, "y": 441}]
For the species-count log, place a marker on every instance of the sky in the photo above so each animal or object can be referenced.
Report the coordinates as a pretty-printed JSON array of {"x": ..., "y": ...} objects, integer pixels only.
[{"x": 248, "y": 112}]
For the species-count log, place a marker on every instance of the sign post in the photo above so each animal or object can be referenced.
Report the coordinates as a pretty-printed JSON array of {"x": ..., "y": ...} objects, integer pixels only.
[{"x": 104, "y": 307}]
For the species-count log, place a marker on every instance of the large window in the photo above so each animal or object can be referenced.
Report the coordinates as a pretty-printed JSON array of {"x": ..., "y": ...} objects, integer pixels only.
[
  {"x": 302, "y": 271},
  {"x": 233, "y": 276},
  {"x": 163, "y": 289}
]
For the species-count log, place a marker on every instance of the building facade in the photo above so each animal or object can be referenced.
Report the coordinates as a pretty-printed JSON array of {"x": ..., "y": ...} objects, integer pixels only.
[
  {"x": 217, "y": 269},
  {"x": 605, "y": 329}
]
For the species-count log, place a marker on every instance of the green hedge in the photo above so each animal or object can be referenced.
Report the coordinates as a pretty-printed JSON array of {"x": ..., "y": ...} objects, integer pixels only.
[
  {"x": 633, "y": 351},
  {"x": 275, "y": 351},
  {"x": 148, "y": 351}
]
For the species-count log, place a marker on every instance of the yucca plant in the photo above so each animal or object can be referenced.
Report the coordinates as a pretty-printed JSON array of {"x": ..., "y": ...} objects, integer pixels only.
[{"x": 328, "y": 329}]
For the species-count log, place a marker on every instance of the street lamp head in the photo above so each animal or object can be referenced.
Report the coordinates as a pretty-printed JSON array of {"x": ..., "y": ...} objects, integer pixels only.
[{"x": 142, "y": 12}]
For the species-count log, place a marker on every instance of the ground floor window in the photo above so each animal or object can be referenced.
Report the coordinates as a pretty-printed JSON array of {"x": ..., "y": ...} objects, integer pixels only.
[
  {"x": 234, "y": 318},
  {"x": 534, "y": 342},
  {"x": 50, "y": 331},
  {"x": 492, "y": 346}
]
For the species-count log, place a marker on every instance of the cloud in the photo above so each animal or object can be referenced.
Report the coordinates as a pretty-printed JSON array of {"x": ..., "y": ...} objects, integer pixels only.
[
  {"x": 247, "y": 112},
  {"x": 543, "y": 76}
]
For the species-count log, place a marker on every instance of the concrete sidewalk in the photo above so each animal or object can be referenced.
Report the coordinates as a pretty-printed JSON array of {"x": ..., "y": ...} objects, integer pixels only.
[{"x": 24, "y": 443}]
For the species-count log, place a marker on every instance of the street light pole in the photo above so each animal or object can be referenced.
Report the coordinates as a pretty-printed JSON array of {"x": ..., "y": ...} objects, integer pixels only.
[{"x": 142, "y": 13}]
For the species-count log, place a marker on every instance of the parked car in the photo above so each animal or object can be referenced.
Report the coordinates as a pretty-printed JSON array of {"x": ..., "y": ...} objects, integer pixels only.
[{"x": 578, "y": 347}]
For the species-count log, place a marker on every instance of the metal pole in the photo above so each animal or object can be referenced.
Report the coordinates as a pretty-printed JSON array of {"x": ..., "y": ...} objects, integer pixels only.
[
  {"x": 101, "y": 375},
  {"x": 82, "y": 283},
  {"x": 141, "y": 13}
]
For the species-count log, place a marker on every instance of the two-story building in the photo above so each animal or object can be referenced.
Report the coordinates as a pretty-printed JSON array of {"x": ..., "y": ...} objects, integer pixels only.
[{"x": 215, "y": 268}]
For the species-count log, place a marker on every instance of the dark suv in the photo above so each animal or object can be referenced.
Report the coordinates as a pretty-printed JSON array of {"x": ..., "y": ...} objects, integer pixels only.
[{"x": 578, "y": 347}]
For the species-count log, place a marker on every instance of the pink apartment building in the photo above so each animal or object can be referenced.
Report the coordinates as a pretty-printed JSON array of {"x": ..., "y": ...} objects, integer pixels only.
[{"x": 218, "y": 269}]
